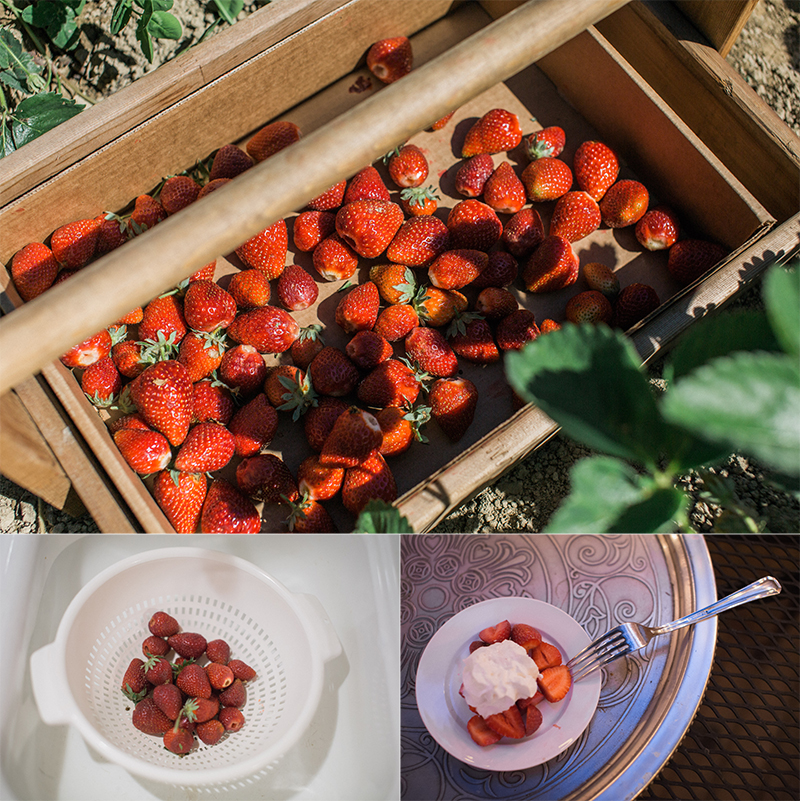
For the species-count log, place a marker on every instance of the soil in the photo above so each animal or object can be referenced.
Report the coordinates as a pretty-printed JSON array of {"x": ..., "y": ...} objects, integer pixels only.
[{"x": 767, "y": 54}]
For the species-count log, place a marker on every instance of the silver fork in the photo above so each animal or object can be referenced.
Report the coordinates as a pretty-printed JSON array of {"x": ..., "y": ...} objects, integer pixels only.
[{"x": 630, "y": 637}]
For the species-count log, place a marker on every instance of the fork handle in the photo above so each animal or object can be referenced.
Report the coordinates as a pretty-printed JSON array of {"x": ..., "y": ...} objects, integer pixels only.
[{"x": 758, "y": 589}]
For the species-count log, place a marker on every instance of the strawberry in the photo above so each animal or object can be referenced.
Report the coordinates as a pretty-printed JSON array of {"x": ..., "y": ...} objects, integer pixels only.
[
  {"x": 148, "y": 718},
  {"x": 89, "y": 351},
  {"x": 211, "y": 731},
  {"x": 367, "y": 349},
  {"x": 401, "y": 426},
  {"x": 133, "y": 317},
  {"x": 547, "y": 326},
  {"x": 590, "y": 306},
  {"x": 372, "y": 479},
  {"x": 634, "y": 303},
  {"x": 204, "y": 709},
  {"x": 358, "y": 308},
  {"x": 418, "y": 241},
  {"x": 390, "y": 59},
  {"x": 242, "y": 670},
  {"x": 516, "y": 329},
  {"x": 163, "y": 396},
  {"x": 596, "y": 168},
  {"x": 207, "y": 307},
  {"x": 473, "y": 225},
  {"x": 354, "y": 436},
  {"x": 212, "y": 186},
  {"x": 205, "y": 273},
  {"x": 334, "y": 259},
  {"x": 523, "y": 232},
  {"x": 226, "y": 510},
  {"x": 418, "y": 201},
  {"x": 503, "y": 191},
  {"x": 317, "y": 481},
  {"x": 287, "y": 387},
  {"x": 266, "y": 477},
  {"x": 162, "y": 624},
  {"x": 102, "y": 382},
  {"x": 178, "y": 192},
  {"x": 134, "y": 684},
  {"x": 218, "y": 651},
  {"x": 253, "y": 426},
  {"x": 366, "y": 184},
  {"x": 575, "y": 216},
  {"x": 438, "y": 307},
  {"x": 268, "y": 329},
  {"x": 532, "y": 718},
  {"x": 688, "y": 259},
  {"x": 525, "y": 703},
  {"x": 311, "y": 227},
  {"x": 212, "y": 402},
  {"x": 229, "y": 161},
  {"x": 231, "y": 718},
  {"x": 368, "y": 226},
  {"x": 272, "y": 138},
  {"x": 188, "y": 644},
  {"x": 442, "y": 121},
  {"x": 201, "y": 354},
  {"x": 169, "y": 699},
  {"x": 553, "y": 265},
  {"x": 180, "y": 496},
  {"x": 547, "y": 142},
  {"x": 497, "y": 633},
  {"x": 554, "y": 682},
  {"x": 507, "y": 723},
  {"x": 395, "y": 321},
  {"x": 309, "y": 517},
  {"x": 112, "y": 233},
  {"x": 472, "y": 175},
  {"x": 501, "y": 270},
  {"x": 453, "y": 402},
  {"x": 193, "y": 681},
  {"x": 207, "y": 447},
  {"x": 658, "y": 228},
  {"x": 495, "y": 131},
  {"x": 546, "y": 179},
  {"x": 475, "y": 342},
  {"x": 74, "y": 244},
  {"x": 546, "y": 655},
  {"x": 243, "y": 369},
  {"x": 428, "y": 348},
  {"x": 481, "y": 733},
  {"x": 250, "y": 288},
  {"x": 525, "y": 635},
  {"x": 455, "y": 269},
  {"x": 494, "y": 302},
  {"x": 332, "y": 373},
  {"x": 390, "y": 383},
  {"x": 219, "y": 676},
  {"x": 330, "y": 199},
  {"x": 157, "y": 670},
  {"x": 147, "y": 212},
  {"x": 407, "y": 166},
  {"x": 178, "y": 740},
  {"x": 319, "y": 420},
  {"x": 308, "y": 344},
  {"x": 267, "y": 250},
  {"x": 165, "y": 314},
  {"x": 297, "y": 290},
  {"x": 601, "y": 278},
  {"x": 155, "y": 646},
  {"x": 145, "y": 452},
  {"x": 396, "y": 282},
  {"x": 33, "y": 270},
  {"x": 624, "y": 203},
  {"x": 133, "y": 420}
]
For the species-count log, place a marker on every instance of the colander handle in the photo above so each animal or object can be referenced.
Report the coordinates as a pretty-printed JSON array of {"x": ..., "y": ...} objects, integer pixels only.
[
  {"x": 319, "y": 619},
  {"x": 50, "y": 687}
]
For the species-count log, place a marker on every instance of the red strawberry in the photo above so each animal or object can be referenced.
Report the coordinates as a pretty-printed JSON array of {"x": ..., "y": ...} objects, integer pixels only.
[
  {"x": 624, "y": 203},
  {"x": 169, "y": 700},
  {"x": 442, "y": 121},
  {"x": 354, "y": 436},
  {"x": 396, "y": 282},
  {"x": 204, "y": 709},
  {"x": 287, "y": 387},
  {"x": 133, "y": 317},
  {"x": 634, "y": 303},
  {"x": 429, "y": 348},
  {"x": 474, "y": 341},
  {"x": 547, "y": 142},
  {"x": 515, "y": 330},
  {"x": 532, "y": 718},
  {"x": 317, "y": 481},
  {"x": 33, "y": 269},
  {"x": 212, "y": 402},
  {"x": 503, "y": 191},
  {"x": 163, "y": 396},
  {"x": 554, "y": 682},
  {"x": 455, "y": 269},
  {"x": 218, "y": 651},
  {"x": 418, "y": 201},
  {"x": 319, "y": 420},
  {"x": 495, "y": 302},
  {"x": 367, "y": 349},
  {"x": 74, "y": 244},
  {"x": 596, "y": 168},
  {"x": 253, "y": 426},
  {"x": 208, "y": 447},
  {"x": 688, "y": 259},
  {"x": 366, "y": 184},
  {"x": 308, "y": 344},
  {"x": 453, "y": 402},
  {"x": 368, "y": 226},
  {"x": 268, "y": 329},
  {"x": 407, "y": 166},
  {"x": 472, "y": 175},
  {"x": 231, "y": 718},
  {"x": 235, "y": 695},
  {"x": 147, "y": 212},
  {"x": 219, "y": 676},
  {"x": 212, "y": 186},
  {"x": 481, "y": 733},
  {"x": 358, "y": 308},
  {"x": 178, "y": 192},
  {"x": 205, "y": 273},
  {"x": 207, "y": 307},
  {"x": 507, "y": 723},
  {"x": 400, "y": 427},
  {"x": 155, "y": 646},
  {"x": 438, "y": 307},
  {"x": 309, "y": 517},
  {"x": 134, "y": 684},
  {"x": 297, "y": 290},
  {"x": 178, "y": 740},
  {"x": 372, "y": 479},
  {"x": 229, "y": 161},
  {"x": 658, "y": 228},
  {"x": 546, "y": 179},
  {"x": 242, "y": 670},
  {"x": 553, "y": 265},
  {"x": 132, "y": 420},
  {"x": 330, "y": 199},
  {"x": 576, "y": 215},
  {"x": 145, "y": 452},
  {"x": 523, "y": 232},
  {"x": 390, "y": 59},
  {"x": 495, "y": 131},
  {"x": 181, "y": 496},
  {"x": 601, "y": 278},
  {"x": 500, "y": 271},
  {"x": 200, "y": 354},
  {"x": 525, "y": 635},
  {"x": 163, "y": 314},
  {"x": 332, "y": 373},
  {"x": 418, "y": 241},
  {"x": 546, "y": 655},
  {"x": 334, "y": 259},
  {"x": 250, "y": 289},
  {"x": 590, "y": 306},
  {"x": 266, "y": 477},
  {"x": 390, "y": 383},
  {"x": 112, "y": 233},
  {"x": 102, "y": 382},
  {"x": 395, "y": 321},
  {"x": 157, "y": 670},
  {"x": 242, "y": 368},
  {"x": 228, "y": 511},
  {"x": 497, "y": 633},
  {"x": 162, "y": 624},
  {"x": 147, "y": 717},
  {"x": 271, "y": 139},
  {"x": 211, "y": 731},
  {"x": 193, "y": 681},
  {"x": 311, "y": 227},
  {"x": 267, "y": 250},
  {"x": 89, "y": 351},
  {"x": 188, "y": 644},
  {"x": 524, "y": 703},
  {"x": 473, "y": 225}
]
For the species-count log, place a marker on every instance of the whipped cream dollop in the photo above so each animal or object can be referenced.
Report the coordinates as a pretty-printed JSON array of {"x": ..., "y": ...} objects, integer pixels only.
[{"x": 497, "y": 676}]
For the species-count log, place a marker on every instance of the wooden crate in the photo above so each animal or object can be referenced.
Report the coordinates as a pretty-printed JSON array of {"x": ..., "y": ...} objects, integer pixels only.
[{"x": 579, "y": 81}]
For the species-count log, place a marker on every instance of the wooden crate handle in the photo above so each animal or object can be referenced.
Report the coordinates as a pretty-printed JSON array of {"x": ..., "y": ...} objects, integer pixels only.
[{"x": 40, "y": 331}]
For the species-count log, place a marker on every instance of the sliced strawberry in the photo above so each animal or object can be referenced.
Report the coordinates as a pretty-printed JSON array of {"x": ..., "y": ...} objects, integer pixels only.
[
  {"x": 532, "y": 719},
  {"x": 554, "y": 682},
  {"x": 497, "y": 633},
  {"x": 526, "y": 636},
  {"x": 546, "y": 655},
  {"x": 508, "y": 723},
  {"x": 480, "y": 731},
  {"x": 524, "y": 703}
]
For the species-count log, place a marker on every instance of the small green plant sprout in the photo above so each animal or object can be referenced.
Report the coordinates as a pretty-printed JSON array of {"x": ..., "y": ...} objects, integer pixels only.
[
  {"x": 379, "y": 517},
  {"x": 153, "y": 21},
  {"x": 733, "y": 385}
]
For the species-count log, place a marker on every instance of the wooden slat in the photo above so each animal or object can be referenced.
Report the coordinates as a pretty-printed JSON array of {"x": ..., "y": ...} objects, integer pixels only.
[{"x": 720, "y": 21}]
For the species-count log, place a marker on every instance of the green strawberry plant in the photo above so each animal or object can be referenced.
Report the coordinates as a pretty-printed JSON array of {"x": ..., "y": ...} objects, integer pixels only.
[{"x": 733, "y": 384}]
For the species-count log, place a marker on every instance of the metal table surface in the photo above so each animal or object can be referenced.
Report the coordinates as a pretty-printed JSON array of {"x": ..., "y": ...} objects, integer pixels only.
[{"x": 647, "y": 702}]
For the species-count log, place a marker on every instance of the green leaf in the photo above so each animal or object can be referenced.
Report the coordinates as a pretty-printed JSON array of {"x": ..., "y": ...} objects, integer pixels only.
[
  {"x": 587, "y": 378},
  {"x": 379, "y": 517},
  {"x": 782, "y": 301},
  {"x": 164, "y": 25},
  {"x": 38, "y": 114},
  {"x": 748, "y": 402},
  {"x": 121, "y": 15},
  {"x": 143, "y": 33},
  {"x": 657, "y": 513},
  {"x": 6, "y": 140},
  {"x": 18, "y": 69},
  {"x": 229, "y": 9},
  {"x": 57, "y": 18}
]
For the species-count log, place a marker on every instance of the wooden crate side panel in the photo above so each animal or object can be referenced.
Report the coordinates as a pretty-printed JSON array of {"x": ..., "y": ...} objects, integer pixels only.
[{"x": 721, "y": 22}]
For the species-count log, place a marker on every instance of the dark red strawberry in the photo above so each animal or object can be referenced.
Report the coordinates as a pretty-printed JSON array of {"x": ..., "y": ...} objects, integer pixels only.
[
  {"x": 354, "y": 436},
  {"x": 193, "y": 680},
  {"x": 227, "y": 510},
  {"x": 218, "y": 651},
  {"x": 157, "y": 670},
  {"x": 169, "y": 699},
  {"x": 148, "y": 718},
  {"x": 219, "y": 676},
  {"x": 371, "y": 480},
  {"x": 308, "y": 344},
  {"x": 390, "y": 59},
  {"x": 253, "y": 426},
  {"x": 266, "y": 477},
  {"x": 516, "y": 329},
  {"x": 590, "y": 306},
  {"x": 211, "y": 731},
  {"x": 162, "y": 624},
  {"x": 242, "y": 670},
  {"x": 634, "y": 303},
  {"x": 307, "y": 516},
  {"x": 431, "y": 351},
  {"x": 178, "y": 192},
  {"x": 188, "y": 644},
  {"x": 501, "y": 270},
  {"x": 553, "y": 265},
  {"x": 332, "y": 373},
  {"x": 367, "y": 349},
  {"x": 688, "y": 259},
  {"x": 596, "y": 167},
  {"x": 495, "y": 302},
  {"x": 181, "y": 496},
  {"x": 319, "y": 420},
  {"x": 271, "y": 139},
  {"x": 112, "y": 233},
  {"x": 231, "y": 718},
  {"x": 147, "y": 212},
  {"x": 472, "y": 175},
  {"x": 474, "y": 341},
  {"x": 453, "y": 402},
  {"x": 473, "y": 225},
  {"x": 497, "y": 130},
  {"x": 235, "y": 695},
  {"x": 229, "y": 161},
  {"x": 178, "y": 740},
  {"x": 134, "y": 684},
  {"x": 390, "y": 383}
]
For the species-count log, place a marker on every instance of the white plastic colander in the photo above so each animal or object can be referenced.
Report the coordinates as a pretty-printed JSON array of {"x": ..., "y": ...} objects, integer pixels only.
[{"x": 286, "y": 637}]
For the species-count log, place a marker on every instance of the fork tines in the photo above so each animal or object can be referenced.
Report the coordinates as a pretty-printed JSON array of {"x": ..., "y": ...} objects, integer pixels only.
[{"x": 599, "y": 653}]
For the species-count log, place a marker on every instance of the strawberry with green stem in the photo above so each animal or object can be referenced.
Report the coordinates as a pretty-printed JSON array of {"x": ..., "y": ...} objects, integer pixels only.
[{"x": 419, "y": 201}]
